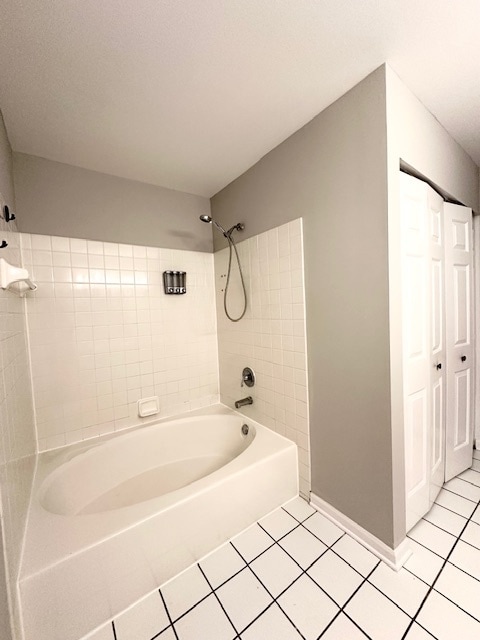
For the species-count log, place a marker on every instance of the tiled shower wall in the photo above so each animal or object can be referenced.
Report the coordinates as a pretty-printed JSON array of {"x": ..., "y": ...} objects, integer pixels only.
[
  {"x": 103, "y": 335},
  {"x": 271, "y": 337},
  {"x": 17, "y": 430}
]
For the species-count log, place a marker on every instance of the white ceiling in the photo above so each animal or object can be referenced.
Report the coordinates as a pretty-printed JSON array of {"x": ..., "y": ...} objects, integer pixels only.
[{"x": 188, "y": 94}]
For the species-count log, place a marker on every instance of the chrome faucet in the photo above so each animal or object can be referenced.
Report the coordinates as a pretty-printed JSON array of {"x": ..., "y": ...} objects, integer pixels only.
[{"x": 243, "y": 402}]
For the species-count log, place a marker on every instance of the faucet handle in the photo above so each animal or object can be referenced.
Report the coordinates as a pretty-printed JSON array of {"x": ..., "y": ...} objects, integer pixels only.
[{"x": 248, "y": 377}]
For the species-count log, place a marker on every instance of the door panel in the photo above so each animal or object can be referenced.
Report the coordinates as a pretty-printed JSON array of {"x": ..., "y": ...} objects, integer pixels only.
[
  {"x": 435, "y": 251},
  {"x": 422, "y": 335},
  {"x": 460, "y": 343}
]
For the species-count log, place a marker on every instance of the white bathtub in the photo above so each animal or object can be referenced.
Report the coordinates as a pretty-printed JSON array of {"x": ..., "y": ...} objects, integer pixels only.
[{"x": 112, "y": 520}]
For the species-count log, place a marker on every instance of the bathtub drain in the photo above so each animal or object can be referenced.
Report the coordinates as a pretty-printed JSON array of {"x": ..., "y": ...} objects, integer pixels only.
[{"x": 245, "y": 429}]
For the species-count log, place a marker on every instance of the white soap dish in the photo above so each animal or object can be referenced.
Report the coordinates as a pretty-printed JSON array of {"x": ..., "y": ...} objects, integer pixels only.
[{"x": 14, "y": 275}]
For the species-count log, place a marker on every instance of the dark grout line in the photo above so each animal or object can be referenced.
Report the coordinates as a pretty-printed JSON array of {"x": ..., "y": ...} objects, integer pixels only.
[
  {"x": 114, "y": 632},
  {"x": 463, "y": 570},
  {"x": 431, "y": 588},
  {"x": 415, "y": 575},
  {"x": 454, "y": 535},
  {"x": 460, "y": 495},
  {"x": 347, "y": 602},
  {"x": 426, "y": 630},
  {"x": 425, "y": 547},
  {"x": 457, "y": 605},
  {"x": 168, "y": 616},
  {"x": 454, "y": 512},
  {"x": 218, "y": 600}
]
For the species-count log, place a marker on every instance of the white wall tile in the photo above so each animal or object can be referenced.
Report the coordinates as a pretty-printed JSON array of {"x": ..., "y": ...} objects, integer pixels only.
[
  {"x": 104, "y": 334},
  {"x": 270, "y": 338}
]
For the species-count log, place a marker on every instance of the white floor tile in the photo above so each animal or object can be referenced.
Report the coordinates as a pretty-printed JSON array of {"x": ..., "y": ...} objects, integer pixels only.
[
  {"x": 184, "y": 591},
  {"x": 104, "y": 633},
  {"x": 244, "y": 598},
  {"x": 445, "y": 621},
  {"x": 307, "y": 607},
  {"x": 476, "y": 515},
  {"x": 418, "y": 633},
  {"x": 376, "y": 615},
  {"x": 221, "y": 565},
  {"x": 435, "y": 539},
  {"x": 470, "y": 475},
  {"x": 343, "y": 629},
  {"x": 142, "y": 621},
  {"x": 323, "y": 528},
  {"x": 206, "y": 621},
  {"x": 275, "y": 570},
  {"x": 445, "y": 519},
  {"x": 299, "y": 509},
  {"x": 461, "y": 589},
  {"x": 463, "y": 488},
  {"x": 252, "y": 542},
  {"x": 271, "y": 624},
  {"x": 472, "y": 534},
  {"x": 467, "y": 558},
  {"x": 303, "y": 546},
  {"x": 336, "y": 577},
  {"x": 400, "y": 586},
  {"x": 278, "y": 523},
  {"x": 456, "y": 503},
  {"x": 423, "y": 563},
  {"x": 355, "y": 555}
]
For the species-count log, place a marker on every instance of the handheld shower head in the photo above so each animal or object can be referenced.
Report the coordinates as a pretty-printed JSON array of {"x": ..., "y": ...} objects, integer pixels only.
[{"x": 209, "y": 219}]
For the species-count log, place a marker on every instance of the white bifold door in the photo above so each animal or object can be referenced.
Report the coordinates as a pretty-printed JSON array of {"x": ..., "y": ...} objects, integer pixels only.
[{"x": 437, "y": 308}]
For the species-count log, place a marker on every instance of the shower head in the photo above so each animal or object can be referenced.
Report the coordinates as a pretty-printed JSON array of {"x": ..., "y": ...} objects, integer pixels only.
[{"x": 227, "y": 234}]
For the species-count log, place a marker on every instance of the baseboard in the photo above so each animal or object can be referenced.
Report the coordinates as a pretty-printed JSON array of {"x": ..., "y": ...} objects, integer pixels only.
[
  {"x": 395, "y": 558},
  {"x": 477, "y": 443}
]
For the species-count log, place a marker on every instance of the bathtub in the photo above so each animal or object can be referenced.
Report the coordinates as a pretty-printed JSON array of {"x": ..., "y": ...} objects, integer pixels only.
[{"x": 112, "y": 519}]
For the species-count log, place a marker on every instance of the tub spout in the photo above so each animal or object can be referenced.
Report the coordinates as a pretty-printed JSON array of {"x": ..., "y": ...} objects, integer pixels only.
[{"x": 243, "y": 402}]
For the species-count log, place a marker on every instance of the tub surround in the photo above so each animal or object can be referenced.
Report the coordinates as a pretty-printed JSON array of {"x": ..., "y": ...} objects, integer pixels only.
[
  {"x": 270, "y": 338},
  {"x": 103, "y": 335},
  {"x": 92, "y": 566}
]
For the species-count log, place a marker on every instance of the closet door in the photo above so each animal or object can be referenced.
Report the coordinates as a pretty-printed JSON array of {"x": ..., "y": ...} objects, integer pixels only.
[
  {"x": 460, "y": 344},
  {"x": 423, "y": 323},
  {"x": 438, "y": 355}
]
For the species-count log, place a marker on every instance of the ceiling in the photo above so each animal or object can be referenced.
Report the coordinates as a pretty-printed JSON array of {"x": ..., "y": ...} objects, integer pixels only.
[{"x": 188, "y": 94}]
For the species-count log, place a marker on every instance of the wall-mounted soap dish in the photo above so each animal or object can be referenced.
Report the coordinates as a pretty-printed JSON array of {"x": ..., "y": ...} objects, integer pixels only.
[{"x": 14, "y": 275}]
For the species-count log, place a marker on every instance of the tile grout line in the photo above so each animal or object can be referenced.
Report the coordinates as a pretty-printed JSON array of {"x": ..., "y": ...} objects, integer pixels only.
[
  {"x": 431, "y": 588},
  {"x": 218, "y": 599},
  {"x": 460, "y": 515},
  {"x": 365, "y": 578},
  {"x": 459, "y": 494},
  {"x": 458, "y": 606},
  {"x": 168, "y": 616}
]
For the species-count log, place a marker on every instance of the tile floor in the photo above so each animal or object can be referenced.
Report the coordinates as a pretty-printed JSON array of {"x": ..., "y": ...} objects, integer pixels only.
[{"x": 294, "y": 575}]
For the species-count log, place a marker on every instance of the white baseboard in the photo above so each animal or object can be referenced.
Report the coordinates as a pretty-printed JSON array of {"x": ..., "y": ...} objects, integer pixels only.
[
  {"x": 395, "y": 558},
  {"x": 477, "y": 443}
]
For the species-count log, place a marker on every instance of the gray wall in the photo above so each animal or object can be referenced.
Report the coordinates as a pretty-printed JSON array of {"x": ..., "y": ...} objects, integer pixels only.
[
  {"x": 333, "y": 173},
  {"x": 62, "y": 200},
  {"x": 6, "y": 172}
]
